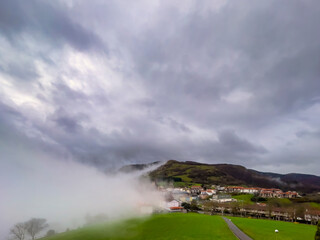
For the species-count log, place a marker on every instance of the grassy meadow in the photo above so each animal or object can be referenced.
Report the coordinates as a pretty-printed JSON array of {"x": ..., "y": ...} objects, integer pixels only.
[
  {"x": 265, "y": 229},
  {"x": 163, "y": 226},
  {"x": 245, "y": 198},
  {"x": 315, "y": 205}
]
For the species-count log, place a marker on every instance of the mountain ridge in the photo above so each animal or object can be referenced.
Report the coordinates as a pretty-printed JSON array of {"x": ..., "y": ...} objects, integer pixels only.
[{"x": 190, "y": 172}]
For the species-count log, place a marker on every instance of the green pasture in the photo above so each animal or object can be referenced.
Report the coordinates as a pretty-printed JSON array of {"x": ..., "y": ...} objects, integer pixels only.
[
  {"x": 261, "y": 229},
  {"x": 163, "y": 226},
  {"x": 245, "y": 198}
]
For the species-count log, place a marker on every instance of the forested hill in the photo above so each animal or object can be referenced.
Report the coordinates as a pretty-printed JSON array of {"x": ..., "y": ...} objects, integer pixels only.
[{"x": 188, "y": 173}]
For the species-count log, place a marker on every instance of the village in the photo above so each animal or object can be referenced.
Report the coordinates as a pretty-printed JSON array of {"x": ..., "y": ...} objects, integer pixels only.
[
  {"x": 223, "y": 200},
  {"x": 223, "y": 194}
]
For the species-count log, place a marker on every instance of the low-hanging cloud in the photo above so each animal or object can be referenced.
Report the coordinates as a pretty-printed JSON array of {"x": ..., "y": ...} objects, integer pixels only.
[{"x": 34, "y": 183}]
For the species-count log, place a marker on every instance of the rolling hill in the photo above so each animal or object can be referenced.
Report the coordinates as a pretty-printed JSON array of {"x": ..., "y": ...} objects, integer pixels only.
[{"x": 188, "y": 173}]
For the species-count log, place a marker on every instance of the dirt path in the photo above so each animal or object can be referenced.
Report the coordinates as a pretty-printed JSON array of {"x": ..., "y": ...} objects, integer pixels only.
[{"x": 236, "y": 231}]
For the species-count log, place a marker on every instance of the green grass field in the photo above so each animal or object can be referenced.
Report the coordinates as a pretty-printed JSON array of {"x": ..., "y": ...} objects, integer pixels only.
[
  {"x": 164, "y": 226},
  {"x": 246, "y": 198},
  {"x": 315, "y": 205},
  {"x": 264, "y": 229}
]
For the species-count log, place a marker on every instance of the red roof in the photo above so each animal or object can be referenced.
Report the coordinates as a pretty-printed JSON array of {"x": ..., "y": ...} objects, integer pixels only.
[{"x": 176, "y": 208}]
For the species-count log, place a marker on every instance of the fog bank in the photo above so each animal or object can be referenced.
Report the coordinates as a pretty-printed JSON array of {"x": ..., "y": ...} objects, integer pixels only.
[{"x": 35, "y": 184}]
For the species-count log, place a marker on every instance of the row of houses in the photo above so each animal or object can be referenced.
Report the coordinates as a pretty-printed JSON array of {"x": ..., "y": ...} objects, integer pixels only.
[
  {"x": 175, "y": 196},
  {"x": 263, "y": 192},
  {"x": 262, "y": 211},
  {"x": 277, "y": 193},
  {"x": 237, "y": 189},
  {"x": 197, "y": 193},
  {"x": 198, "y": 190}
]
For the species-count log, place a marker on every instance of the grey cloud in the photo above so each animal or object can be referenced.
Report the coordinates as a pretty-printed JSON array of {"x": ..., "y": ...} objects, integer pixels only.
[
  {"x": 45, "y": 20},
  {"x": 276, "y": 58},
  {"x": 70, "y": 124},
  {"x": 7, "y": 112},
  {"x": 190, "y": 68},
  {"x": 25, "y": 71},
  {"x": 296, "y": 153},
  {"x": 63, "y": 92},
  {"x": 120, "y": 147},
  {"x": 233, "y": 142}
]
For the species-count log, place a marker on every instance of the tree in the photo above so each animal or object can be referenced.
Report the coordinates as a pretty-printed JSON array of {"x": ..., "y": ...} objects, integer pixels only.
[
  {"x": 209, "y": 206},
  {"x": 257, "y": 198},
  {"x": 18, "y": 231},
  {"x": 51, "y": 232},
  {"x": 317, "y": 237},
  {"x": 35, "y": 226},
  {"x": 301, "y": 211},
  {"x": 186, "y": 206},
  {"x": 235, "y": 208},
  {"x": 194, "y": 206}
]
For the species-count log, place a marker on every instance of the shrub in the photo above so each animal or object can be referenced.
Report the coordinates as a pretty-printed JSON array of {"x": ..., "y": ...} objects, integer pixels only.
[{"x": 317, "y": 237}]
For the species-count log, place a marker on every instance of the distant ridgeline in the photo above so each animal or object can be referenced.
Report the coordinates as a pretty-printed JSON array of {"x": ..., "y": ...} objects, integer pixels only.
[
  {"x": 137, "y": 167},
  {"x": 190, "y": 173}
]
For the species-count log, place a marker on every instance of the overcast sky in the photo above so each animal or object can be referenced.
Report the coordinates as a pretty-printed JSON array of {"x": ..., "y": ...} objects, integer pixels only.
[{"x": 109, "y": 83}]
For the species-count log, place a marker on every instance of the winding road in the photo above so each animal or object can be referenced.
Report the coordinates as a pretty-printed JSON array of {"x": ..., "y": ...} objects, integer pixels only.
[{"x": 236, "y": 231}]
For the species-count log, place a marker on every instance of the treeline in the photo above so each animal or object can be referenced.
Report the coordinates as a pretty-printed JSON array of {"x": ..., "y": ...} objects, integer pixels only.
[
  {"x": 273, "y": 209},
  {"x": 31, "y": 228}
]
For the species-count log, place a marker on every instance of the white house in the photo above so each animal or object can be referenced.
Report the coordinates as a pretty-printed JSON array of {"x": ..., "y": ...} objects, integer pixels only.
[
  {"x": 211, "y": 192},
  {"x": 173, "y": 203},
  {"x": 222, "y": 198}
]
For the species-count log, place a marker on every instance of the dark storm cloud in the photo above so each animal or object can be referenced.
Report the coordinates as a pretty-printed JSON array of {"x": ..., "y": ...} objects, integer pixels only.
[
  {"x": 232, "y": 82},
  {"x": 277, "y": 57},
  {"x": 230, "y": 140},
  {"x": 70, "y": 124},
  {"x": 42, "y": 19}
]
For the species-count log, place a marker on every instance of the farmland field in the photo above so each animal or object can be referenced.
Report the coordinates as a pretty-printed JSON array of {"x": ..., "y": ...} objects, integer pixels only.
[
  {"x": 164, "y": 226},
  {"x": 265, "y": 229}
]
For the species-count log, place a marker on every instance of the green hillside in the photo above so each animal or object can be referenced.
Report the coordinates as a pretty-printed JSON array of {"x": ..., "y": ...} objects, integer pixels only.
[
  {"x": 165, "y": 226},
  {"x": 190, "y": 173}
]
